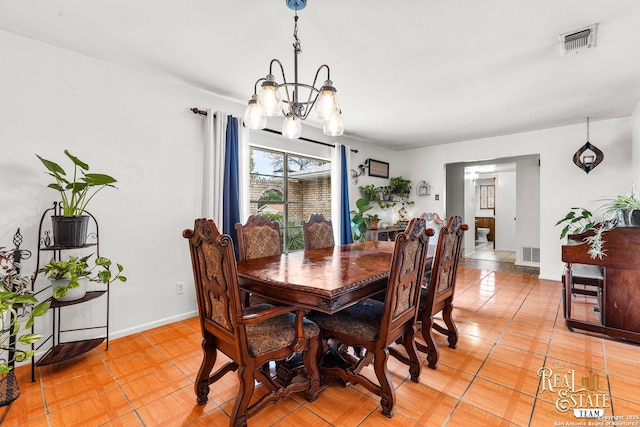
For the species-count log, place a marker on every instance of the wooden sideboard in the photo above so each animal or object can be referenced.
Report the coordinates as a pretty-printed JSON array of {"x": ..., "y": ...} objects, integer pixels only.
[
  {"x": 619, "y": 299},
  {"x": 388, "y": 233}
]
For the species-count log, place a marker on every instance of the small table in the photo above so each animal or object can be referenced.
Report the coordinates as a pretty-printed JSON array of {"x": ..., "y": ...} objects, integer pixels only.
[{"x": 326, "y": 279}]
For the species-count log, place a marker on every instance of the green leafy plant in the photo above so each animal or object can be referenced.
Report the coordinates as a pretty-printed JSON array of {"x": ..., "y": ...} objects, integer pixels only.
[
  {"x": 76, "y": 268},
  {"x": 576, "y": 221},
  {"x": 359, "y": 222},
  {"x": 18, "y": 308},
  {"x": 76, "y": 191},
  {"x": 370, "y": 192}
]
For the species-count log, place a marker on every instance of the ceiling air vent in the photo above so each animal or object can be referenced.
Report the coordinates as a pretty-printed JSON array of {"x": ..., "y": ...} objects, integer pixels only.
[{"x": 578, "y": 40}]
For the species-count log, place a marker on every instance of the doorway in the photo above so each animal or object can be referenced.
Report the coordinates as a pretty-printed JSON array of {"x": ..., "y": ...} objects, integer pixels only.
[{"x": 517, "y": 190}]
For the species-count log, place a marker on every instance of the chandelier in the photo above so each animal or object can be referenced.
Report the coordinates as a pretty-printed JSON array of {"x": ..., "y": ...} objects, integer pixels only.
[{"x": 294, "y": 100}]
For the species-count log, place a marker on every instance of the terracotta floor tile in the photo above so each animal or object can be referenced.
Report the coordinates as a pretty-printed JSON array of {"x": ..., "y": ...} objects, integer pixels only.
[
  {"x": 176, "y": 408},
  {"x": 299, "y": 417},
  {"x": 625, "y": 388},
  {"x": 66, "y": 393},
  {"x": 467, "y": 415},
  {"x": 423, "y": 404},
  {"x": 625, "y": 367},
  {"x": 128, "y": 420},
  {"x": 344, "y": 405},
  {"x": 150, "y": 387},
  {"x": 514, "y": 406},
  {"x": 138, "y": 366},
  {"x": 577, "y": 354},
  {"x": 517, "y": 357},
  {"x": 459, "y": 359},
  {"x": 94, "y": 410},
  {"x": 449, "y": 381},
  {"x": 524, "y": 342},
  {"x": 510, "y": 376},
  {"x": 125, "y": 348},
  {"x": 623, "y": 407}
]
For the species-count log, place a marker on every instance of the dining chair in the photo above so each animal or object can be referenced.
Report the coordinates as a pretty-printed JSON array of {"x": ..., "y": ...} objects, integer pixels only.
[
  {"x": 317, "y": 232},
  {"x": 589, "y": 277},
  {"x": 259, "y": 237},
  {"x": 250, "y": 336},
  {"x": 374, "y": 325},
  {"x": 438, "y": 294}
]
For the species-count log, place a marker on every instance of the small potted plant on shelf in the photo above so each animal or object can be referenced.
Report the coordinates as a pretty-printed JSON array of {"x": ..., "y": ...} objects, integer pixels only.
[
  {"x": 76, "y": 191},
  {"x": 70, "y": 278},
  {"x": 373, "y": 221},
  {"x": 369, "y": 192},
  {"x": 18, "y": 307}
]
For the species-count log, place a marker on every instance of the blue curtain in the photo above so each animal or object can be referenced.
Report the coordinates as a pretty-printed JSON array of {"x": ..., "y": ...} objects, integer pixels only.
[
  {"x": 345, "y": 217},
  {"x": 231, "y": 191}
]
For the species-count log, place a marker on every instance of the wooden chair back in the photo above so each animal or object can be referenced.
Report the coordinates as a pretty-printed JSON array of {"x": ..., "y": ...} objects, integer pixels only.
[
  {"x": 250, "y": 337},
  {"x": 317, "y": 232},
  {"x": 259, "y": 237},
  {"x": 438, "y": 296},
  {"x": 405, "y": 278}
]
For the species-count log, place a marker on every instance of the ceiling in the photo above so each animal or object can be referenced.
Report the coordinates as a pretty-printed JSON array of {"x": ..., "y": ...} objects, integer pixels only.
[{"x": 408, "y": 74}]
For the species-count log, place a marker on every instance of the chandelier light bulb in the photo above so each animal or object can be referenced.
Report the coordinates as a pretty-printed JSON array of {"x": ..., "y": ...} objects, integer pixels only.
[
  {"x": 254, "y": 117},
  {"x": 334, "y": 126},
  {"x": 269, "y": 98},
  {"x": 291, "y": 127},
  {"x": 326, "y": 104}
]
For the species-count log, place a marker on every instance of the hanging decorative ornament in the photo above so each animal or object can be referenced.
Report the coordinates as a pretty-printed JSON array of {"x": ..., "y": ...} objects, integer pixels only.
[{"x": 588, "y": 156}]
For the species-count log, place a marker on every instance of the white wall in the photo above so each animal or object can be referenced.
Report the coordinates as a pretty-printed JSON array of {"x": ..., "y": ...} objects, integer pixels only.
[{"x": 562, "y": 184}]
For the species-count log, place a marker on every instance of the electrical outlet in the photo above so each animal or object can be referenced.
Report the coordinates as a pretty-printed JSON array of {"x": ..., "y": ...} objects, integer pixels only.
[{"x": 180, "y": 288}]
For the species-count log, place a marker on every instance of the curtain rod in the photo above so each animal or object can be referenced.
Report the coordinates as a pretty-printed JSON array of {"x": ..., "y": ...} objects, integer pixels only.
[{"x": 204, "y": 113}]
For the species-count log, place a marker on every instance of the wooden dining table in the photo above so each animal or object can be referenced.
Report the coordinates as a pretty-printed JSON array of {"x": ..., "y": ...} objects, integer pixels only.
[{"x": 327, "y": 279}]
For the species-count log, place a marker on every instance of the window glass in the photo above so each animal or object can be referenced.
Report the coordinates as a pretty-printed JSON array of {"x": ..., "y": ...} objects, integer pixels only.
[{"x": 289, "y": 195}]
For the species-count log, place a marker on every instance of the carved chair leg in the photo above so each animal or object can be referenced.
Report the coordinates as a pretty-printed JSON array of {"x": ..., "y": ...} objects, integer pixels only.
[
  {"x": 409, "y": 343},
  {"x": 432, "y": 347},
  {"x": 246, "y": 388},
  {"x": 201, "y": 385},
  {"x": 387, "y": 393},
  {"x": 452, "y": 335}
]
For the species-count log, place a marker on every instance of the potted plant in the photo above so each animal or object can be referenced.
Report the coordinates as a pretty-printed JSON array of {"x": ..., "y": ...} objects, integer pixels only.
[
  {"x": 401, "y": 187},
  {"x": 369, "y": 192},
  {"x": 621, "y": 211},
  {"x": 76, "y": 191},
  {"x": 373, "y": 221},
  {"x": 18, "y": 307},
  {"x": 625, "y": 208},
  {"x": 359, "y": 222},
  {"x": 70, "y": 278}
]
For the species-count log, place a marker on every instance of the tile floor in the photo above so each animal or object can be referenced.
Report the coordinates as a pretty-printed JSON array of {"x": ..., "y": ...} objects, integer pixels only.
[
  {"x": 510, "y": 326},
  {"x": 485, "y": 251}
]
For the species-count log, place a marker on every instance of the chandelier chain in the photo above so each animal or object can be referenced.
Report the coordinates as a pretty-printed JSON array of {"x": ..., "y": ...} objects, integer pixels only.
[
  {"x": 297, "y": 46},
  {"x": 587, "y": 129}
]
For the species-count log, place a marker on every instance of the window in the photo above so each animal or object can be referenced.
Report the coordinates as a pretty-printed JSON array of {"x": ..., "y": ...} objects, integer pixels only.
[{"x": 288, "y": 195}]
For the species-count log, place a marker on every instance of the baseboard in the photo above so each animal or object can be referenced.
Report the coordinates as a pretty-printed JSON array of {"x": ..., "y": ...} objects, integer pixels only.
[{"x": 151, "y": 325}]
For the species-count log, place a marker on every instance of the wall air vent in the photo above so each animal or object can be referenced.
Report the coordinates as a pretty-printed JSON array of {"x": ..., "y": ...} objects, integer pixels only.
[{"x": 578, "y": 40}]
